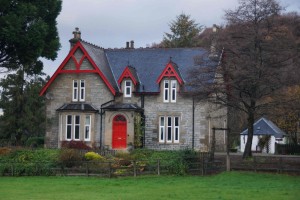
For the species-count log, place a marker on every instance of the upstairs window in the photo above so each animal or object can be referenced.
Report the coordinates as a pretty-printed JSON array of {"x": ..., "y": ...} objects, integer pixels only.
[
  {"x": 170, "y": 90},
  {"x": 128, "y": 88},
  {"x": 78, "y": 90},
  {"x": 173, "y": 90},
  {"x": 82, "y": 90},
  {"x": 166, "y": 91},
  {"x": 75, "y": 90}
]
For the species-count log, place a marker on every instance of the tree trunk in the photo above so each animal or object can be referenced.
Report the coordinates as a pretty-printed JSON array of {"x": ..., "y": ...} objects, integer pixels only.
[{"x": 247, "y": 151}]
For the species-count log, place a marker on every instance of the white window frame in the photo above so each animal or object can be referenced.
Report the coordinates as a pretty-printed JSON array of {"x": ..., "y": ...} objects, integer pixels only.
[
  {"x": 166, "y": 91},
  {"x": 68, "y": 125},
  {"x": 173, "y": 91},
  {"x": 76, "y": 125},
  {"x": 129, "y": 87},
  {"x": 75, "y": 91},
  {"x": 176, "y": 130},
  {"x": 82, "y": 90},
  {"x": 169, "y": 130},
  {"x": 87, "y": 127},
  {"x": 162, "y": 129}
]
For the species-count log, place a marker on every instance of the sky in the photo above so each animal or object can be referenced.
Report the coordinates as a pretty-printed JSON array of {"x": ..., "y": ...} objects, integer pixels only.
[{"x": 111, "y": 23}]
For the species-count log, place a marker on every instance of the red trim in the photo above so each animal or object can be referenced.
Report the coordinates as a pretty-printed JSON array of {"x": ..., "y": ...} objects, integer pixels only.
[
  {"x": 169, "y": 71},
  {"x": 127, "y": 74},
  {"x": 77, "y": 70}
]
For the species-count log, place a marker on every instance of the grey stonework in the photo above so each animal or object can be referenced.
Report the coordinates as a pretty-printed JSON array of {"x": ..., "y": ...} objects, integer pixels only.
[
  {"x": 206, "y": 115},
  {"x": 60, "y": 92}
]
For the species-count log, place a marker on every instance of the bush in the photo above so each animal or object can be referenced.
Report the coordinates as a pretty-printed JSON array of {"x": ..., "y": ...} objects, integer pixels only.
[
  {"x": 93, "y": 156},
  {"x": 69, "y": 157},
  {"x": 5, "y": 151},
  {"x": 35, "y": 142},
  {"x": 28, "y": 162},
  {"x": 175, "y": 162},
  {"x": 75, "y": 145}
]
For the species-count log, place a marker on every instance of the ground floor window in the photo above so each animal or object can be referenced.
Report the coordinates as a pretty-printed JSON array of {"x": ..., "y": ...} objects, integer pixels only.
[
  {"x": 169, "y": 129},
  {"x": 76, "y": 127}
]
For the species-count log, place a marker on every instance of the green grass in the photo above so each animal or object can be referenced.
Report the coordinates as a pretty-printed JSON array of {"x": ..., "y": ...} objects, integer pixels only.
[{"x": 233, "y": 185}]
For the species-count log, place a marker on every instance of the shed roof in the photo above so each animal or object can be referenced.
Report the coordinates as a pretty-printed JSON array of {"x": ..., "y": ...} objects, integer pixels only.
[{"x": 264, "y": 126}]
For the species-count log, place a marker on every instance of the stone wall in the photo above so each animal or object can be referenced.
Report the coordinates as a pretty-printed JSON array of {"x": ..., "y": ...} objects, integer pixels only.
[{"x": 60, "y": 92}]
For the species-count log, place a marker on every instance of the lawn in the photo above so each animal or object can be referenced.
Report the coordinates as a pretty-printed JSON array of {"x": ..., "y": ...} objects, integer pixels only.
[{"x": 233, "y": 185}]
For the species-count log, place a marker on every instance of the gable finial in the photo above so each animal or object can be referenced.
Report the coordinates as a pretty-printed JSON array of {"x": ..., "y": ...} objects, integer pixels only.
[{"x": 170, "y": 59}]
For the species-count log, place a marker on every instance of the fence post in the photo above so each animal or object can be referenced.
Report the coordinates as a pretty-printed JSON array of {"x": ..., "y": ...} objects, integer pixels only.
[
  {"x": 280, "y": 165},
  {"x": 12, "y": 169},
  {"x": 254, "y": 163},
  {"x": 203, "y": 163},
  {"x": 158, "y": 167},
  {"x": 134, "y": 168},
  {"x": 87, "y": 168},
  {"x": 109, "y": 169}
]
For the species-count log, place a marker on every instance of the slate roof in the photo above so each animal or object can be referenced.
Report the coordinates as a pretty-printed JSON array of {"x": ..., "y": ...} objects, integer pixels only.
[
  {"x": 145, "y": 64},
  {"x": 149, "y": 63},
  {"x": 77, "y": 107},
  {"x": 264, "y": 126},
  {"x": 99, "y": 57},
  {"x": 134, "y": 73}
]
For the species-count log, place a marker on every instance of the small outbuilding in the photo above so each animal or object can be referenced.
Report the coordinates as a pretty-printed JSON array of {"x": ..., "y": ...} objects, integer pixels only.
[{"x": 265, "y": 135}]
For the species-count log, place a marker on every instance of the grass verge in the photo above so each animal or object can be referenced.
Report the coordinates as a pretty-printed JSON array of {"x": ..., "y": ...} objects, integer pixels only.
[{"x": 232, "y": 185}]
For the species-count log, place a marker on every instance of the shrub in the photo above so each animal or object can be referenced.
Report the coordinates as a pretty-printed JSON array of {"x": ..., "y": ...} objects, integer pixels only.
[
  {"x": 35, "y": 142},
  {"x": 93, "y": 156},
  {"x": 5, "y": 151},
  {"x": 75, "y": 145},
  {"x": 69, "y": 157},
  {"x": 28, "y": 162}
]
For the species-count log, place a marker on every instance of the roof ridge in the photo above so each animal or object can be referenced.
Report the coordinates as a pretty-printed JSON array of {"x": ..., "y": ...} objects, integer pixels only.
[
  {"x": 92, "y": 44},
  {"x": 152, "y": 48}
]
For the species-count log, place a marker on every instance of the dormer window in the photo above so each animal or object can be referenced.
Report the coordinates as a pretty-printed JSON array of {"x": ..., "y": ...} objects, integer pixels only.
[
  {"x": 173, "y": 90},
  {"x": 128, "y": 88},
  {"x": 78, "y": 90},
  {"x": 166, "y": 90},
  {"x": 170, "y": 91}
]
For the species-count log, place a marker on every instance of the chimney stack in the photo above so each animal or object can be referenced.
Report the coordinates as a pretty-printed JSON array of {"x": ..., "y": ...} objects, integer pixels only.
[
  {"x": 76, "y": 38},
  {"x": 132, "y": 44}
]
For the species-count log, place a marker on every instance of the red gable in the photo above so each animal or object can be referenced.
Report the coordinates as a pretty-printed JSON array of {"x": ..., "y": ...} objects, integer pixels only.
[
  {"x": 70, "y": 56},
  {"x": 170, "y": 71},
  {"x": 127, "y": 74}
]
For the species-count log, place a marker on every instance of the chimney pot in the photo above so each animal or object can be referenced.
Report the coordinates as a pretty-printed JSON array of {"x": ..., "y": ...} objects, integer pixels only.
[
  {"x": 132, "y": 44},
  {"x": 127, "y": 45},
  {"x": 76, "y": 38},
  {"x": 77, "y": 33}
]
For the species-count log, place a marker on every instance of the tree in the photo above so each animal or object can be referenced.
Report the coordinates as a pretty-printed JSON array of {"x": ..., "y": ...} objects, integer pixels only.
[
  {"x": 260, "y": 52},
  {"x": 184, "y": 32},
  {"x": 287, "y": 116},
  {"x": 24, "y": 110},
  {"x": 27, "y": 32}
]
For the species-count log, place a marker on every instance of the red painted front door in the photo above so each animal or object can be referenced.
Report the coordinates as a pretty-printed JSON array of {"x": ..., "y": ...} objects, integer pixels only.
[{"x": 119, "y": 132}]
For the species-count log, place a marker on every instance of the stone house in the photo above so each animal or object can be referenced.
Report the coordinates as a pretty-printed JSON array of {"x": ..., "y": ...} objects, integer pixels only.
[{"x": 129, "y": 97}]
